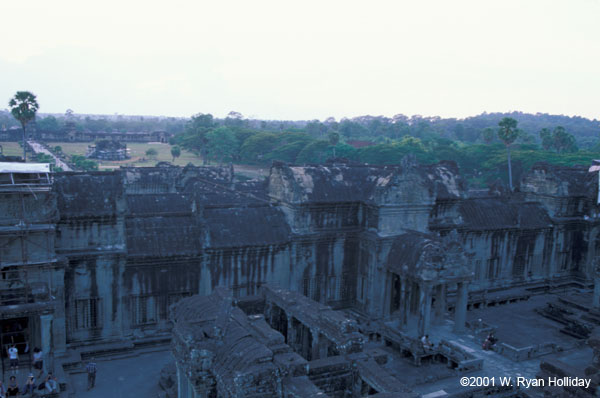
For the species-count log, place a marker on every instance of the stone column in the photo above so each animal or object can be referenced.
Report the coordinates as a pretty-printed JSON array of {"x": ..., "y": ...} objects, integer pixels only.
[
  {"x": 440, "y": 303},
  {"x": 314, "y": 345},
  {"x": 306, "y": 345},
  {"x": 388, "y": 287},
  {"x": 402, "y": 303},
  {"x": 596, "y": 302},
  {"x": 46, "y": 340},
  {"x": 407, "y": 304},
  {"x": 460, "y": 309},
  {"x": 356, "y": 383},
  {"x": 269, "y": 312},
  {"x": 291, "y": 332},
  {"x": 424, "y": 309},
  {"x": 323, "y": 347},
  {"x": 181, "y": 392}
]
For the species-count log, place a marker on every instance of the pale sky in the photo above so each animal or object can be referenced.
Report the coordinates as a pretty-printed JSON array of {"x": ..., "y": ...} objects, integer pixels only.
[{"x": 303, "y": 59}]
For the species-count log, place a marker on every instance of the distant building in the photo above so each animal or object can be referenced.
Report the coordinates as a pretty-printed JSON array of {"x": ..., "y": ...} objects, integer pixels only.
[
  {"x": 90, "y": 136},
  {"x": 71, "y": 134},
  {"x": 108, "y": 150}
]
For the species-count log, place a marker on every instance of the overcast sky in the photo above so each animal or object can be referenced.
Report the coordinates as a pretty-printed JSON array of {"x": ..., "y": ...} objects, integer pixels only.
[{"x": 303, "y": 59}]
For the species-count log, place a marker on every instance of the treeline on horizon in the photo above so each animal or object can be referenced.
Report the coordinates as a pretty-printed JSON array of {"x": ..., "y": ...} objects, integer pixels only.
[
  {"x": 472, "y": 142},
  {"x": 478, "y": 151}
]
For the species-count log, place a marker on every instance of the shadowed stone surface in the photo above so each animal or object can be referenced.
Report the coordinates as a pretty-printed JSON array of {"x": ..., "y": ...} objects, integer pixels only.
[{"x": 99, "y": 258}]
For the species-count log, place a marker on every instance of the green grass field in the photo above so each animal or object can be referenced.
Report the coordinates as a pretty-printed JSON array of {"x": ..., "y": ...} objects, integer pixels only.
[
  {"x": 137, "y": 152},
  {"x": 11, "y": 149},
  {"x": 138, "y": 156}
]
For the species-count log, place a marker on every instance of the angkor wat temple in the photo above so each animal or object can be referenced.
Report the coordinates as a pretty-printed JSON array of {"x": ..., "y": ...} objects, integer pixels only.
[{"x": 317, "y": 282}]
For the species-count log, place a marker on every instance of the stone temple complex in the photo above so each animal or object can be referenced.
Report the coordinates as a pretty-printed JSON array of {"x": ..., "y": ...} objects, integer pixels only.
[{"x": 319, "y": 281}]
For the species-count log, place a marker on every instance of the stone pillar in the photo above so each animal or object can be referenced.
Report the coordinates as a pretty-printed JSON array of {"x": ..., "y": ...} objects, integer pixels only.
[
  {"x": 407, "y": 304},
  {"x": 306, "y": 345},
  {"x": 269, "y": 312},
  {"x": 596, "y": 302},
  {"x": 314, "y": 345},
  {"x": 323, "y": 347},
  {"x": 402, "y": 303},
  {"x": 424, "y": 309},
  {"x": 190, "y": 388},
  {"x": 377, "y": 291},
  {"x": 46, "y": 341},
  {"x": 389, "y": 294},
  {"x": 356, "y": 383},
  {"x": 460, "y": 309},
  {"x": 440, "y": 303},
  {"x": 180, "y": 382},
  {"x": 291, "y": 332}
]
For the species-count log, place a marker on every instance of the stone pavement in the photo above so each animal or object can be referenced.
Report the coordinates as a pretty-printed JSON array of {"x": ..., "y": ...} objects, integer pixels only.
[
  {"x": 38, "y": 148},
  {"x": 516, "y": 323},
  {"x": 129, "y": 377}
]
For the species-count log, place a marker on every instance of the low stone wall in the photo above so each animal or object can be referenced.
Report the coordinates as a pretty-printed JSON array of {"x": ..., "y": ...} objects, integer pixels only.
[
  {"x": 459, "y": 358},
  {"x": 528, "y": 352},
  {"x": 333, "y": 375},
  {"x": 455, "y": 356}
]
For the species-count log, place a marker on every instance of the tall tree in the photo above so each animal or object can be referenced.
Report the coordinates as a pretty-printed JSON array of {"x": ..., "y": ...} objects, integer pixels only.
[
  {"x": 558, "y": 139},
  {"x": 315, "y": 128},
  {"x": 23, "y": 107},
  {"x": 49, "y": 123},
  {"x": 508, "y": 133},
  {"x": 334, "y": 138},
  {"x": 234, "y": 119},
  {"x": 222, "y": 144},
  {"x": 546, "y": 137},
  {"x": 488, "y": 135},
  {"x": 175, "y": 152},
  {"x": 152, "y": 153},
  {"x": 195, "y": 137},
  {"x": 563, "y": 141}
]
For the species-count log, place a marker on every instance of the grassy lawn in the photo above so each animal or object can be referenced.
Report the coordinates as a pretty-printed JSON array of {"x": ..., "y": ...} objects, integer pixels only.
[
  {"x": 137, "y": 152},
  {"x": 139, "y": 158},
  {"x": 11, "y": 149}
]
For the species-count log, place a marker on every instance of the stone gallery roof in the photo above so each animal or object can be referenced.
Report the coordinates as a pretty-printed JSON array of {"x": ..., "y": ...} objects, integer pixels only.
[
  {"x": 552, "y": 180},
  {"x": 497, "y": 213},
  {"x": 196, "y": 309},
  {"x": 172, "y": 179},
  {"x": 363, "y": 183},
  {"x": 240, "y": 354},
  {"x": 164, "y": 203},
  {"x": 178, "y": 235},
  {"x": 162, "y": 224},
  {"x": 332, "y": 324},
  {"x": 428, "y": 257},
  {"x": 212, "y": 335},
  {"x": 88, "y": 194},
  {"x": 246, "y": 226}
]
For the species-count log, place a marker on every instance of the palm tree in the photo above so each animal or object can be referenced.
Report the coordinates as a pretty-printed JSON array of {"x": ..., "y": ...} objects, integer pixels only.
[
  {"x": 508, "y": 133},
  {"x": 23, "y": 107},
  {"x": 334, "y": 138}
]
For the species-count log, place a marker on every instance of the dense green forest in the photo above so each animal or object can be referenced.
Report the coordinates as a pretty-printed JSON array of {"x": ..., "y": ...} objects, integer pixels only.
[
  {"x": 371, "y": 128},
  {"x": 473, "y": 142},
  {"x": 480, "y": 152}
]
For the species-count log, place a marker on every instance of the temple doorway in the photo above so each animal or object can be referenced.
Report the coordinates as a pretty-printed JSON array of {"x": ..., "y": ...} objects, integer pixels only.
[{"x": 17, "y": 332}]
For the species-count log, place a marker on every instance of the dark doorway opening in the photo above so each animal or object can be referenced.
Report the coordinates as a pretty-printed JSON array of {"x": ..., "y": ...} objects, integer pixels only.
[{"x": 15, "y": 331}]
